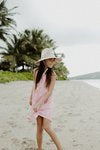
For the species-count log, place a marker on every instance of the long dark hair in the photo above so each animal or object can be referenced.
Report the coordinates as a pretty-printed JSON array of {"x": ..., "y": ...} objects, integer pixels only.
[{"x": 41, "y": 69}]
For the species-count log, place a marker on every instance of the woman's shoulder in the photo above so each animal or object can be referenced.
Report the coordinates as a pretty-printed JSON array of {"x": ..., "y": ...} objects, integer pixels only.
[
  {"x": 35, "y": 70},
  {"x": 54, "y": 74}
]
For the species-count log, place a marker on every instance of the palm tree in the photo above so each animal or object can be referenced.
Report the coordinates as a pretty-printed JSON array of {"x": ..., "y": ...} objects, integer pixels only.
[
  {"x": 25, "y": 48},
  {"x": 15, "y": 53},
  {"x": 35, "y": 41},
  {"x": 61, "y": 70},
  {"x": 6, "y": 22},
  {"x": 11, "y": 51}
]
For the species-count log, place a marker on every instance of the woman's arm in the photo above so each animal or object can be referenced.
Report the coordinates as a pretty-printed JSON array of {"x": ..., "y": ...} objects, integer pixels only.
[
  {"x": 34, "y": 78},
  {"x": 47, "y": 94},
  {"x": 50, "y": 89}
]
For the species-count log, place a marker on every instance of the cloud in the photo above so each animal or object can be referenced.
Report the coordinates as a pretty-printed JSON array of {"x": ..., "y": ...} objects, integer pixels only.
[{"x": 67, "y": 22}]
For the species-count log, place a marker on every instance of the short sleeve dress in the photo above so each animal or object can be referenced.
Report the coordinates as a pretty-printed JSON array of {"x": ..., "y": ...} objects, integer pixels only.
[{"x": 46, "y": 109}]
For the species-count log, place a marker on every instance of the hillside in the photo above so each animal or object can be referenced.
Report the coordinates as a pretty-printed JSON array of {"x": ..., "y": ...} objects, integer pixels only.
[{"x": 94, "y": 75}]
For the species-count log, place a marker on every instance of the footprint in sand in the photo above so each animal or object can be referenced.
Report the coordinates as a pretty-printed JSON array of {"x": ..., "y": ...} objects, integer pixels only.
[
  {"x": 65, "y": 111},
  {"x": 15, "y": 141},
  {"x": 74, "y": 141},
  {"x": 82, "y": 121},
  {"x": 48, "y": 143},
  {"x": 58, "y": 129},
  {"x": 75, "y": 145},
  {"x": 28, "y": 144},
  {"x": 5, "y": 133},
  {"x": 61, "y": 126},
  {"x": 91, "y": 118},
  {"x": 12, "y": 124},
  {"x": 11, "y": 118},
  {"x": 72, "y": 130},
  {"x": 70, "y": 114},
  {"x": 73, "y": 114}
]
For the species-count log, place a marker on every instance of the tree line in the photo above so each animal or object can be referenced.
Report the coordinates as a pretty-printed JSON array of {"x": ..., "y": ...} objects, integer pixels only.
[{"x": 23, "y": 48}]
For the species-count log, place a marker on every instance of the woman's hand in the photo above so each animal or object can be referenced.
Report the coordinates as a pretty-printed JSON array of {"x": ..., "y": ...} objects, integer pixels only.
[{"x": 37, "y": 106}]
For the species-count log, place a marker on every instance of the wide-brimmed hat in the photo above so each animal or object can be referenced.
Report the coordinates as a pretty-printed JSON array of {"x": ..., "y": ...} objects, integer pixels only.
[{"x": 48, "y": 53}]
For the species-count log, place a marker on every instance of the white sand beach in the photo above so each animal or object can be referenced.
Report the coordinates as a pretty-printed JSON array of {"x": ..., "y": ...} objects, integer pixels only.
[{"x": 76, "y": 118}]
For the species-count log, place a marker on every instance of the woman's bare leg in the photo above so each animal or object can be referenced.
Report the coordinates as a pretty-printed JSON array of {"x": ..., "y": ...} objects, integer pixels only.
[
  {"x": 39, "y": 133},
  {"x": 51, "y": 132}
]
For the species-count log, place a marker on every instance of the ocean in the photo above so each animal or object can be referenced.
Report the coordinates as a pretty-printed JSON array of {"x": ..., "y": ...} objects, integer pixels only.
[{"x": 95, "y": 83}]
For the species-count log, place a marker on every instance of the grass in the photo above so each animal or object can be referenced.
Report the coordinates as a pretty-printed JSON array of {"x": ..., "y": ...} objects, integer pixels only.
[{"x": 7, "y": 76}]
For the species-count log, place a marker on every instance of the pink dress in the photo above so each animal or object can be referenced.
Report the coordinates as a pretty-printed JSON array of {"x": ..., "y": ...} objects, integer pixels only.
[{"x": 47, "y": 108}]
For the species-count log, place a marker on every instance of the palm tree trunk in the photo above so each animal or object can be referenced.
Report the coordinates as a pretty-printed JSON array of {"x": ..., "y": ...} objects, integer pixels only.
[{"x": 22, "y": 67}]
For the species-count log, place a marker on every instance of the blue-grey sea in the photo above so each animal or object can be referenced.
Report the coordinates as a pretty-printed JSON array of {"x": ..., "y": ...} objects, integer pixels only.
[{"x": 95, "y": 83}]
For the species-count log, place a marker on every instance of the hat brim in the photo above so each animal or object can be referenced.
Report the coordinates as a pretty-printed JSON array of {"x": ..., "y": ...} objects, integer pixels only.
[{"x": 57, "y": 60}]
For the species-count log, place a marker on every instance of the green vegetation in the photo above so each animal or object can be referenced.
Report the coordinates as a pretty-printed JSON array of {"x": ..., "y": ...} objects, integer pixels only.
[
  {"x": 6, "y": 20},
  {"x": 7, "y": 76},
  {"x": 23, "y": 49}
]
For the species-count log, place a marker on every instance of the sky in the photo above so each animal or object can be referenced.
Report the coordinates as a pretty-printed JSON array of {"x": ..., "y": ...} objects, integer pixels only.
[{"x": 74, "y": 25}]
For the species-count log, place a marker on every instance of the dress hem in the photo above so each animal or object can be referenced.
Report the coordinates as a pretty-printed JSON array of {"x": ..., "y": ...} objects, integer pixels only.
[
  {"x": 43, "y": 117},
  {"x": 30, "y": 117}
]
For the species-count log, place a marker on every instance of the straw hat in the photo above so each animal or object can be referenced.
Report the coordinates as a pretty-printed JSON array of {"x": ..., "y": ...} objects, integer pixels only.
[{"x": 48, "y": 53}]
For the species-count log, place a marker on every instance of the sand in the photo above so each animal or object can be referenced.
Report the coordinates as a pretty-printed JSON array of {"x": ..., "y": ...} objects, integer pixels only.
[{"x": 76, "y": 118}]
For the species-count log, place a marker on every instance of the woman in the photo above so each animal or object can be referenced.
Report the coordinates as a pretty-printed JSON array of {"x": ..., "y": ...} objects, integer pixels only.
[{"x": 41, "y": 96}]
